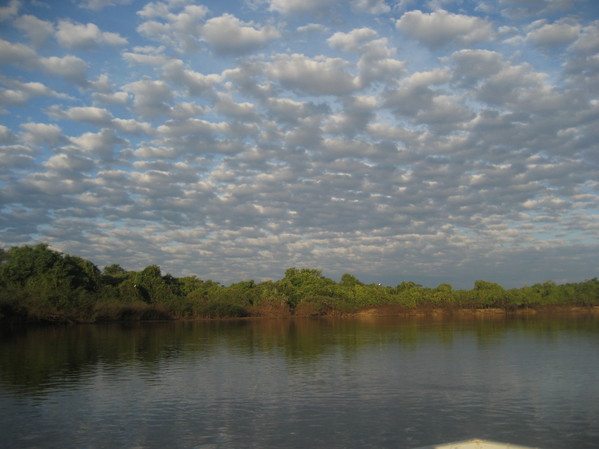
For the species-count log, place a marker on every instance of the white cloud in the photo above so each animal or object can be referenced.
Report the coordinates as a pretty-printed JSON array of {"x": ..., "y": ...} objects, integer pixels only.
[
  {"x": 131, "y": 126},
  {"x": 520, "y": 9},
  {"x": 356, "y": 115},
  {"x": 497, "y": 82},
  {"x": 351, "y": 41},
  {"x": 150, "y": 98},
  {"x": 312, "y": 28},
  {"x": 239, "y": 111},
  {"x": 77, "y": 35},
  {"x": 185, "y": 110},
  {"x": 472, "y": 66},
  {"x": 330, "y": 135},
  {"x": 83, "y": 114},
  {"x": 248, "y": 79},
  {"x": 42, "y": 133},
  {"x": 180, "y": 31},
  {"x": 371, "y": 6},
  {"x": 509, "y": 83},
  {"x": 156, "y": 59},
  {"x": 6, "y": 135},
  {"x": 195, "y": 83},
  {"x": 299, "y": 6},
  {"x": 288, "y": 110},
  {"x": 163, "y": 8},
  {"x": 69, "y": 164},
  {"x": 192, "y": 126},
  {"x": 8, "y": 96},
  {"x": 441, "y": 28},
  {"x": 8, "y": 12},
  {"x": 588, "y": 42},
  {"x": 11, "y": 53},
  {"x": 227, "y": 35},
  {"x": 71, "y": 68},
  {"x": 318, "y": 76},
  {"x": 554, "y": 34},
  {"x": 14, "y": 158},
  {"x": 101, "y": 144},
  {"x": 415, "y": 93},
  {"x": 35, "y": 29},
  {"x": 114, "y": 98},
  {"x": 162, "y": 152},
  {"x": 376, "y": 63},
  {"x": 154, "y": 9},
  {"x": 445, "y": 112},
  {"x": 97, "y": 5},
  {"x": 21, "y": 92}
]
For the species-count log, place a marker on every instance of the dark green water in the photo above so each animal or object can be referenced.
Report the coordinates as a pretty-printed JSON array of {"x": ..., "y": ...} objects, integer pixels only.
[{"x": 385, "y": 383}]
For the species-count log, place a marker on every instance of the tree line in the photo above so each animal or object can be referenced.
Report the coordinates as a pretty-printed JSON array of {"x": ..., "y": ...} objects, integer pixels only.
[{"x": 40, "y": 284}]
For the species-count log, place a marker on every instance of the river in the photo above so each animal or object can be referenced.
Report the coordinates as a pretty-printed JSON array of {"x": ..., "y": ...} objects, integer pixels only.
[{"x": 325, "y": 383}]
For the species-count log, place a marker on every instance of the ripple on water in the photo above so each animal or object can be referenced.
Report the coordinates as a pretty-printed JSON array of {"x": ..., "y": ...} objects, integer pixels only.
[{"x": 349, "y": 386}]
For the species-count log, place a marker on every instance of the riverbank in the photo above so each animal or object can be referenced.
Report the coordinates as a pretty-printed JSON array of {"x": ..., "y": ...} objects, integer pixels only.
[
  {"x": 149, "y": 313},
  {"x": 477, "y": 312},
  {"x": 40, "y": 285}
]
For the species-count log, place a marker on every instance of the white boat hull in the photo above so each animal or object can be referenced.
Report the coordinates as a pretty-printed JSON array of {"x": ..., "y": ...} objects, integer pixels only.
[{"x": 475, "y": 444}]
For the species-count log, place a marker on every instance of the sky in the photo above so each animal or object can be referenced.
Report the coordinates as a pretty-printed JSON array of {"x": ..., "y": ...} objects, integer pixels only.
[{"x": 440, "y": 141}]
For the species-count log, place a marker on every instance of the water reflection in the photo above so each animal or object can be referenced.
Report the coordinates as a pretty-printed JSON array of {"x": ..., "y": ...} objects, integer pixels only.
[
  {"x": 35, "y": 357},
  {"x": 383, "y": 382}
]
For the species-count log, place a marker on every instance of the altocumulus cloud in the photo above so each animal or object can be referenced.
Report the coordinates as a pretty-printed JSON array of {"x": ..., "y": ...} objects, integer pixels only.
[{"x": 429, "y": 141}]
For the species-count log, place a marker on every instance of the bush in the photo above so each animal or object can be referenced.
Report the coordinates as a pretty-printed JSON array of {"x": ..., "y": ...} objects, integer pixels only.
[
  {"x": 222, "y": 310},
  {"x": 136, "y": 311}
]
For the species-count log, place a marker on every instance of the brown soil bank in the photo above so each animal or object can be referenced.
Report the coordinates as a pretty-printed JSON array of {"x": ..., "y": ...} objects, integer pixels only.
[{"x": 391, "y": 310}]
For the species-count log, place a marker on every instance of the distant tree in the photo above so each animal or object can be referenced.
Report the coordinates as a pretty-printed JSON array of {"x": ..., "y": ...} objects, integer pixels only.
[
  {"x": 407, "y": 285},
  {"x": 25, "y": 262},
  {"x": 39, "y": 266},
  {"x": 244, "y": 292},
  {"x": 444, "y": 288},
  {"x": 49, "y": 282},
  {"x": 305, "y": 282},
  {"x": 40, "y": 283},
  {"x": 153, "y": 287},
  {"x": 348, "y": 280},
  {"x": 112, "y": 276},
  {"x": 442, "y": 295},
  {"x": 489, "y": 294},
  {"x": 148, "y": 282},
  {"x": 197, "y": 289},
  {"x": 486, "y": 285},
  {"x": 114, "y": 270}
]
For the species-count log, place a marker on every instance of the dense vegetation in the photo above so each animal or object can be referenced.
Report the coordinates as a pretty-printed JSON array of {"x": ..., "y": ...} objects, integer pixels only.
[{"x": 39, "y": 284}]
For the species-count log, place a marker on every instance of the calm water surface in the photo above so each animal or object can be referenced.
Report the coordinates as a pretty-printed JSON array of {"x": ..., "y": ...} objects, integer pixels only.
[{"x": 382, "y": 383}]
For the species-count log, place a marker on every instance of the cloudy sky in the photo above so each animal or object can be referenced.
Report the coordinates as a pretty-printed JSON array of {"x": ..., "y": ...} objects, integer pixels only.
[{"x": 434, "y": 141}]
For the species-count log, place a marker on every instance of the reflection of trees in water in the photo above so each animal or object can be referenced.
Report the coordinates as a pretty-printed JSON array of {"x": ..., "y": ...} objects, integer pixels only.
[{"x": 35, "y": 358}]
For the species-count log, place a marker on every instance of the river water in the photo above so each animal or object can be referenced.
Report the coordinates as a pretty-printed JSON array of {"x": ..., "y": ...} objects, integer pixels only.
[{"x": 344, "y": 383}]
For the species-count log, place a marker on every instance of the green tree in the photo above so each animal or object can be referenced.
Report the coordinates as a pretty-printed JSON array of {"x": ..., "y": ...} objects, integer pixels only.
[
  {"x": 47, "y": 282},
  {"x": 27, "y": 262},
  {"x": 114, "y": 270},
  {"x": 305, "y": 282},
  {"x": 152, "y": 287},
  {"x": 442, "y": 295},
  {"x": 112, "y": 276},
  {"x": 348, "y": 280},
  {"x": 489, "y": 294}
]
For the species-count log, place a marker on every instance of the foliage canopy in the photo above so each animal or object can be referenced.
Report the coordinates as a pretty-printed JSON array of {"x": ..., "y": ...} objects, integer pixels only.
[{"x": 38, "y": 283}]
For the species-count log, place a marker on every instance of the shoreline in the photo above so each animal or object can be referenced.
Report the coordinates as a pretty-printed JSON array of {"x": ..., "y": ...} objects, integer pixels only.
[
  {"x": 479, "y": 312},
  {"x": 371, "y": 313}
]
